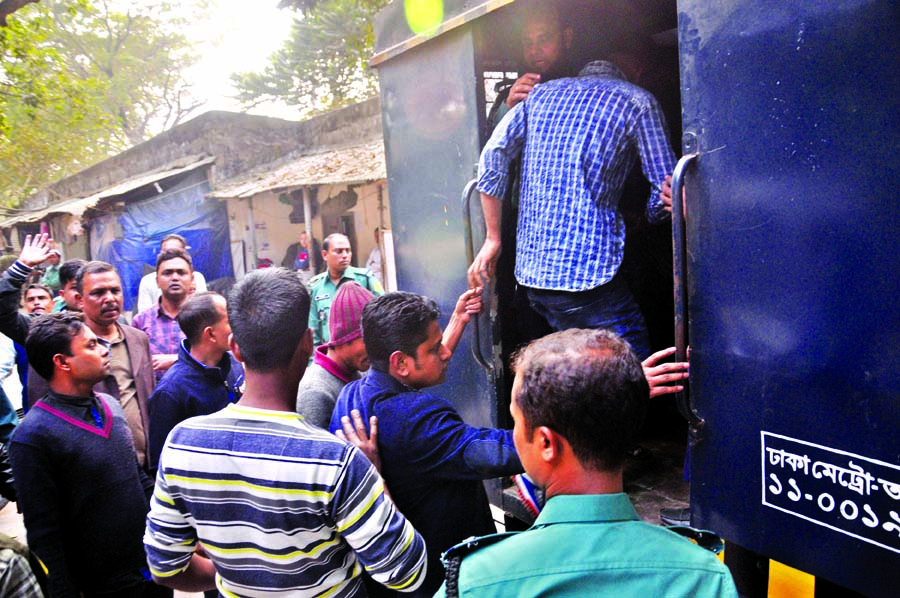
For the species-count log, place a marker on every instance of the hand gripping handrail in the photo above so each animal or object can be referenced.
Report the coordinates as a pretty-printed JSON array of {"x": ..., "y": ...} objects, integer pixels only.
[
  {"x": 679, "y": 267},
  {"x": 470, "y": 257}
]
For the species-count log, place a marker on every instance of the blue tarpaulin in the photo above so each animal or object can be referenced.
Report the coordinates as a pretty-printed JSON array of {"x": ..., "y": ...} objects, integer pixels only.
[{"x": 130, "y": 240}]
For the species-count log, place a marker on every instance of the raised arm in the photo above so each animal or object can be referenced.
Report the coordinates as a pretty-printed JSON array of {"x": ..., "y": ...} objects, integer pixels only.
[{"x": 468, "y": 305}]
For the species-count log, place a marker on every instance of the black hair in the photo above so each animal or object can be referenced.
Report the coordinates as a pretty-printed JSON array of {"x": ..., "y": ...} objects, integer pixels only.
[
  {"x": 269, "y": 315},
  {"x": 396, "y": 322},
  {"x": 197, "y": 313},
  {"x": 588, "y": 386},
  {"x": 49, "y": 335},
  {"x": 93, "y": 267},
  {"x": 37, "y": 285},
  {"x": 171, "y": 254},
  {"x": 69, "y": 271}
]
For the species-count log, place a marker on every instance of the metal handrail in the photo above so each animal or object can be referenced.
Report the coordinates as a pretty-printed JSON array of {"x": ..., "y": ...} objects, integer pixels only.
[
  {"x": 679, "y": 267},
  {"x": 470, "y": 257}
]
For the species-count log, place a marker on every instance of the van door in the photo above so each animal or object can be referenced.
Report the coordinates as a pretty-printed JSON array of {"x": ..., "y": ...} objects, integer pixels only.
[{"x": 793, "y": 272}]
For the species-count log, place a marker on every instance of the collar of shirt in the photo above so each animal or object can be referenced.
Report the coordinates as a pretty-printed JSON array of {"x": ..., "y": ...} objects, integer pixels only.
[
  {"x": 579, "y": 508},
  {"x": 109, "y": 342},
  {"x": 321, "y": 359},
  {"x": 385, "y": 382},
  {"x": 221, "y": 369}
]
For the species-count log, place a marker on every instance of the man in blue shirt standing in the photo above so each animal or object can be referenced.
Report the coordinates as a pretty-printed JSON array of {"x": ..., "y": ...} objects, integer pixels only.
[
  {"x": 433, "y": 463},
  {"x": 205, "y": 378},
  {"x": 579, "y": 396},
  {"x": 578, "y": 138}
]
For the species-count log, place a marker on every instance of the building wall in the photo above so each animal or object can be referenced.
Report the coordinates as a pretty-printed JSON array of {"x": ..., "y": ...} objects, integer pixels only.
[
  {"x": 240, "y": 142},
  {"x": 262, "y": 224}
]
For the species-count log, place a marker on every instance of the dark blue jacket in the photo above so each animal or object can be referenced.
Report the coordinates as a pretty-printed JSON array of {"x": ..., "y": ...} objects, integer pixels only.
[
  {"x": 433, "y": 463},
  {"x": 188, "y": 389}
]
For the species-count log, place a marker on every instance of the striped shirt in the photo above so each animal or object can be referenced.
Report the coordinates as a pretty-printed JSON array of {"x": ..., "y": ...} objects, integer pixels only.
[
  {"x": 281, "y": 507},
  {"x": 579, "y": 138}
]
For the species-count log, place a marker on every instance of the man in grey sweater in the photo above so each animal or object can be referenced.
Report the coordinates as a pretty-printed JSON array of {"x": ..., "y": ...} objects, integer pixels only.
[{"x": 337, "y": 362}]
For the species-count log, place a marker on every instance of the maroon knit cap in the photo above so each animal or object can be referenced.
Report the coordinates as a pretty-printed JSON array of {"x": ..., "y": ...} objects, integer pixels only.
[{"x": 345, "y": 317}]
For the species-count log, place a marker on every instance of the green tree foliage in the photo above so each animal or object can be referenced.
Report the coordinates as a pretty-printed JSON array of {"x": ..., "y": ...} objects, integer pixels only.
[
  {"x": 323, "y": 64},
  {"x": 83, "y": 80}
]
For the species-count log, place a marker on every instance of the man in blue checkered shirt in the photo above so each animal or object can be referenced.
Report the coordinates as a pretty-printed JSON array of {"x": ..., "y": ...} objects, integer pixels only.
[{"x": 578, "y": 138}]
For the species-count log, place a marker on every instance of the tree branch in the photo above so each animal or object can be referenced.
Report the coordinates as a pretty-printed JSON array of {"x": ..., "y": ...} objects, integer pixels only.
[{"x": 7, "y": 7}]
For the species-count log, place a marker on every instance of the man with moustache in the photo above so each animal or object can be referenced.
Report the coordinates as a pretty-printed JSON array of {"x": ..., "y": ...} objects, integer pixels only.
[
  {"x": 131, "y": 378},
  {"x": 38, "y": 299}
]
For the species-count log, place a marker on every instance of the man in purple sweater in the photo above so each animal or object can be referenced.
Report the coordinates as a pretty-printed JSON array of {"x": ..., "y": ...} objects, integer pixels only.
[{"x": 82, "y": 493}]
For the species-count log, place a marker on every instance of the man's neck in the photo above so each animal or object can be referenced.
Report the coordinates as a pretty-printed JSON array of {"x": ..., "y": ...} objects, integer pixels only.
[
  {"x": 336, "y": 277},
  {"x": 107, "y": 333},
  {"x": 171, "y": 306},
  {"x": 276, "y": 391},
  {"x": 72, "y": 388},
  {"x": 585, "y": 481},
  {"x": 210, "y": 356}
]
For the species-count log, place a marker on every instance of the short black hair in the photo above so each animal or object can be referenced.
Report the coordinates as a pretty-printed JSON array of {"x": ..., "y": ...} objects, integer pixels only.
[
  {"x": 49, "y": 335},
  {"x": 171, "y": 254},
  {"x": 269, "y": 315},
  {"x": 92, "y": 267},
  {"x": 327, "y": 242},
  {"x": 396, "y": 321},
  {"x": 69, "y": 271},
  {"x": 36, "y": 285},
  {"x": 197, "y": 313},
  {"x": 588, "y": 386}
]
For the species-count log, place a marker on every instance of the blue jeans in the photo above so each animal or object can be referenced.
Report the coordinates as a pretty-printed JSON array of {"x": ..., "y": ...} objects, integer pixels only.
[{"x": 610, "y": 306}]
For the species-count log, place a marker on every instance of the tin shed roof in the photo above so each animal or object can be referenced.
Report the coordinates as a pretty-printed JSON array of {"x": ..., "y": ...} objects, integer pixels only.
[
  {"x": 349, "y": 165},
  {"x": 79, "y": 205}
]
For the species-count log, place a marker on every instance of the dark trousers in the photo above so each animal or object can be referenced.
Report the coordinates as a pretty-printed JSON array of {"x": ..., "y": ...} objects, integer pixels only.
[{"x": 610, "y": 306}]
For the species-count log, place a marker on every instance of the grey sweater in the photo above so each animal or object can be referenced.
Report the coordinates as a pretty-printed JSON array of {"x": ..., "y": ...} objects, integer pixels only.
[{"x": 319, "y": 389}]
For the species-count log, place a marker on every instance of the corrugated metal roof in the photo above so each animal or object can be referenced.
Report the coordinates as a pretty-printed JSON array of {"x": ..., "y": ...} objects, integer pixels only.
[
  {"x": 345, "y": 166},
  {"x": 79, "y": 205}
]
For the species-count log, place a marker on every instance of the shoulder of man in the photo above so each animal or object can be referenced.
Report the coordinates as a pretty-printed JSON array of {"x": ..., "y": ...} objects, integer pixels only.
[
  {"x": 318, "y": 278},
  {"x": 366, "y": 278},
  {"x": 452, "y": 558}
]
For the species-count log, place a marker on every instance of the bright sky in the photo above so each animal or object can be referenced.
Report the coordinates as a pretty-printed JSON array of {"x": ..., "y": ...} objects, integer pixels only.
[{"x": 237, "y": 36}]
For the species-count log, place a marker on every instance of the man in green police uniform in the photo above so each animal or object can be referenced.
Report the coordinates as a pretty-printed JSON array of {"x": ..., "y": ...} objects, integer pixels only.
[
  {"x": 579, "y": 396},
  {"x": 322, "y": 287}
]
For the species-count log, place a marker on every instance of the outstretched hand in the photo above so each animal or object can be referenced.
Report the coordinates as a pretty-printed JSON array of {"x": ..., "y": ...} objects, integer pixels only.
[
  {"x": 468, "y": 304},
  {"x": 35, "y": 250},
  {"x": 355, "y": 433},
  {"x": 660, "y": 376}
]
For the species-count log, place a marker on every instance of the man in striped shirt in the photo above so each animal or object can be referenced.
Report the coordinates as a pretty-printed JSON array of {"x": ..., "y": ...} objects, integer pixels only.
[
  {"x": 281, "y": 508},
  {"x": 578, "y": 138}
]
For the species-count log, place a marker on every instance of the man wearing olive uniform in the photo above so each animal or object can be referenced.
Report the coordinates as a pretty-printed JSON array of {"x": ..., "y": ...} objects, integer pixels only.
[{"x": 322, "y": 287}]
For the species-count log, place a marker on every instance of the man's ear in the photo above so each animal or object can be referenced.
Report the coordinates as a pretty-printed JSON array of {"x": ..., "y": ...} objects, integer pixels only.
[
  {"x": 550, "y": 444},
  {"x": 307, "y": 343},
  {"x": 399, "y": 363},
  {"x": 61, "y": 361},
  {"x": 567, "y": 36},
  {"x": 235, "y": 350}
]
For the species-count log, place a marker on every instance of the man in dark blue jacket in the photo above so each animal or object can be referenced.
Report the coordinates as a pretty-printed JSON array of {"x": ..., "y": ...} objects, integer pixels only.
[
  {"x": 204, "y": 379},
  {"x": 433, "y": 463}
]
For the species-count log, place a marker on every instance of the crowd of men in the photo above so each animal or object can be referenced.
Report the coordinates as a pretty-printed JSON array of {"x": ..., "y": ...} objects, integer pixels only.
[{"x": 285, "y": 441}]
